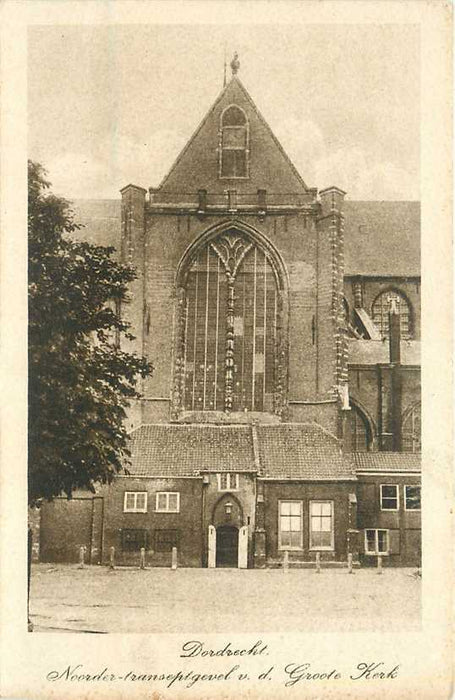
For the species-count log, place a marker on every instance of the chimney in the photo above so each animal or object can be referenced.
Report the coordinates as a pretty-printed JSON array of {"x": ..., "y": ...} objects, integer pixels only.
[
  {"x": 202, "y": 200},
  {"x": 262, "y": 200}
]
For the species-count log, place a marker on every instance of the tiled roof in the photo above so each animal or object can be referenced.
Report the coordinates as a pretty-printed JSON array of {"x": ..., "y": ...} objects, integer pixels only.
[
  {"x": 286, "y": 451},
  {"x": 100, "y": 219},
  {"x": 302, "y": 451},
  {"x": 382, "y": 238},
  {"x": 373, "y": 352},
  {"x": 184, "y": 450},
  {"x": 387, "y": 461}
]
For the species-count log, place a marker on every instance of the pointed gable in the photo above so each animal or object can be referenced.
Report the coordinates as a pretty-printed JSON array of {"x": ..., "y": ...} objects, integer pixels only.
[{"x": 198, "y": 165}]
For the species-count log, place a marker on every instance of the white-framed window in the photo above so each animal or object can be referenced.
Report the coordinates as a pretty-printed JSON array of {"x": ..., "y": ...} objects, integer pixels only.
[
  {"x": 228, "y": 481},
  {"x": 167, "y": 502},
  {"x": 376, "y": 542},
  {"x": 135, "y": 502},
  {"x": 321, "y": 525},
  {"x": 390, "y": 499},
  {"x": 290, "y": 534},
  {"x": 412, "y": 497}
]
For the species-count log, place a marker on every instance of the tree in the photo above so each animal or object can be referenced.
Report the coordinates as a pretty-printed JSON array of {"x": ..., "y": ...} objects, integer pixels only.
[{"x": 80, "y": 380}]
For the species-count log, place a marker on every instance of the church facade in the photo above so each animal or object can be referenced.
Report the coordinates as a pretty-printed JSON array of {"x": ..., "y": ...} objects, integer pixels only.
[{"x": 282, "y": 418}]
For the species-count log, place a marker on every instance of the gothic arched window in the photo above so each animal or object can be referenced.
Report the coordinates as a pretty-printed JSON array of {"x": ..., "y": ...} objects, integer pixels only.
[
  {"x": 411, "y": 430},
  {"x": 231, "y": 325},
  {"x": 234, "y": 143},
  {"x": 358, "y": 432},
  {"x": 381, "y": 309}
]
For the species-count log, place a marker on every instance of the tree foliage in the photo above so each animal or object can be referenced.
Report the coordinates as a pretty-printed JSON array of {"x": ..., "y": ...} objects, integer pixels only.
[{"x": 80, "y": 380}]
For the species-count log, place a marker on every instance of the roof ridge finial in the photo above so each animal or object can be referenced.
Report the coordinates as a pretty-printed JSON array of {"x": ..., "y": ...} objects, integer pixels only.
[{"x": 235, "y": 64}]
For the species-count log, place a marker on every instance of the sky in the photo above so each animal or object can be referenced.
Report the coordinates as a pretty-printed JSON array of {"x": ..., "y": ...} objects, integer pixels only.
[{"x": 114, "y": 104}]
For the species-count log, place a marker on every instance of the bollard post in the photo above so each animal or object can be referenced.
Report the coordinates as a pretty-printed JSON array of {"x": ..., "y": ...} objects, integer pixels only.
[
  {"x": 174, "y": 559},
  {"x": 318, "y": 562},
  {"x": 142, "y": 558},
  {"x": 112, "y": 558},
  {"x": 350, "y": 564},
  {"x": 286, "y": 561},
  {"x": 81, "y": 557},
  {"x": 379, "y": 571}
]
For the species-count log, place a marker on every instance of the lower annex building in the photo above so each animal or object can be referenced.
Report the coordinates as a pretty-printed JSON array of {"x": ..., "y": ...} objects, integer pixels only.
[{"x": 283, "y": 414}]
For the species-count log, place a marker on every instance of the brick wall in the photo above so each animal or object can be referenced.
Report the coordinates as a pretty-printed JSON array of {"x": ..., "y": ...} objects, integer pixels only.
[
  {"x": 336, "y": 492},
  {"x": 198, "y": 165},
  {"x": 187, "y": 522},
  {"x": 132, "y": 252},
  {"x": 372, "y": 286},
  {"x": 214, "y": 512},
  {"x": 66, "y": 525},
  {"x": 371, "y": 389},
  {"x": 306, "y": 254},
  {"x": 405, "y": 523}
]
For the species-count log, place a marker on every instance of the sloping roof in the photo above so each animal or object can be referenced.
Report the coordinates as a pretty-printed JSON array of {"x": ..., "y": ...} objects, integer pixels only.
[
  {"x": 100, "y": 219},
  {"x": 302, "y": 451},
  {"x": 197, "y": 166},
  {"x": 232, "y": 88},
  {"x": 382, "y": 238},
  {"x": 387, "y": 461},
  {"x": 286, "y": 451},
  {"x": 373, "y": 352},
  {"x": 183, "y": 450}
]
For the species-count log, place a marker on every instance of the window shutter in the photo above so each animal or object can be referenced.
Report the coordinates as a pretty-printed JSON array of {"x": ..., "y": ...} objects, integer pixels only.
[{"x": 394, "y": 541}]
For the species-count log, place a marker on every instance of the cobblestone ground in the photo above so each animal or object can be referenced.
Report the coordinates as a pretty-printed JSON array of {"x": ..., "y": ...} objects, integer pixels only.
[{"x": 94, "y": 599}]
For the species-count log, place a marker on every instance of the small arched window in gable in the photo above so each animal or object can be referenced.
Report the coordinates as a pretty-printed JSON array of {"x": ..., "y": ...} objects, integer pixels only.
[
  {"x": 234, "y": 143},
  {"x": 358, "y": 432},
  {"x": 411, "y": 430},
  {"x": 381, "y": 309}
]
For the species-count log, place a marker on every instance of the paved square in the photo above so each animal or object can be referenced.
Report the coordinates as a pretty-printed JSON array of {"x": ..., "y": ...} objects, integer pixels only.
[{"x": 95, "y": 599}]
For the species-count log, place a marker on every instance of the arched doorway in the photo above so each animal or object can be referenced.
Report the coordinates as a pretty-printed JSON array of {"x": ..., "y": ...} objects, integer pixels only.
[{"x": 227, "y": 546}]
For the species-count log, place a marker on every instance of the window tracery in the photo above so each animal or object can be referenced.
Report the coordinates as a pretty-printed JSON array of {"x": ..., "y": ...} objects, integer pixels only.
[
  {"x": 230, "y": 353},
  {"x": 381, "y": 309}
]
